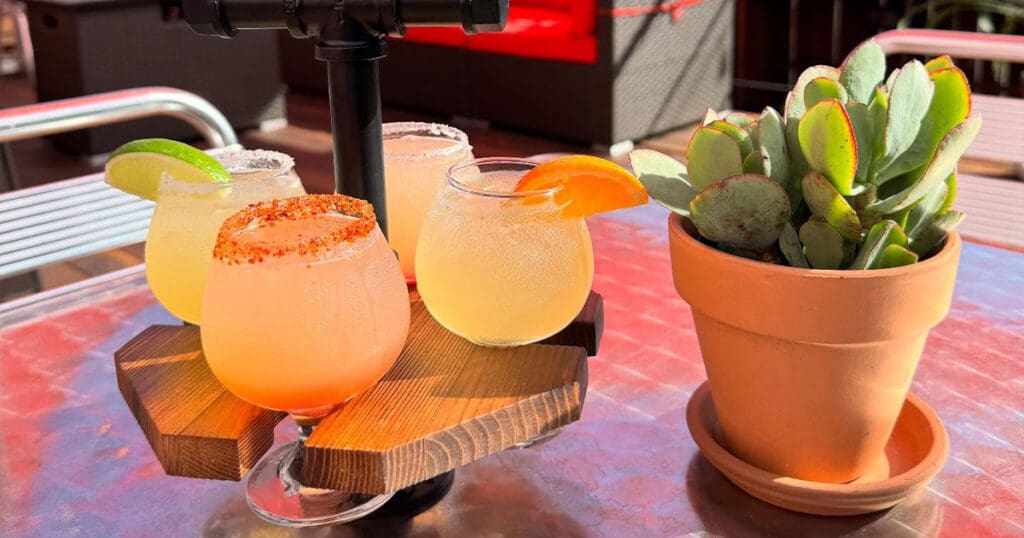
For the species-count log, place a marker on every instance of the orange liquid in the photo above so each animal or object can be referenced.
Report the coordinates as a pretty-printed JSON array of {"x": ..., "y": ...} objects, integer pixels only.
[{"x": 302, "y": 335}]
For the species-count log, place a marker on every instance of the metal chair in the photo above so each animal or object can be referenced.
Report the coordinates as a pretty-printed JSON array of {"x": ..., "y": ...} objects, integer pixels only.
[
  {"x": 994, "y": 206},
  {"x": 66, "y": 219}
]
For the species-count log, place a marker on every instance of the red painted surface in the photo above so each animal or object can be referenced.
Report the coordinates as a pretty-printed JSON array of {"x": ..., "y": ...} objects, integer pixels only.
[
  {"x": 561, "y": 30},
  {"x": 74, "y": 461}
]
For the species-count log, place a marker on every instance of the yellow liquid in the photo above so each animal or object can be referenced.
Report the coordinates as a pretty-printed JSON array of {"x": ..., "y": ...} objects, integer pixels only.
[
  {"x": 500, "y": 272},
  {"x": 411, "y": 186},
  {"x": 301, "y": 335},
  {"x": 179, "y": 245}
]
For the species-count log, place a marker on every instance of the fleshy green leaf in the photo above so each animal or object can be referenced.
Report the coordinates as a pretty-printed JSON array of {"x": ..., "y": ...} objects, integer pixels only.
[
  {"x": 664, "y": 178},
  {"x": 826, "y": 202},
  {"x": 909, "y": 99},
  {"x": 752, "y": 164},
  {"x": 740, "y": 134},
  {"x": 795, "y": 107},
  {"x": 951, "y": 104},
  {"x": 712, "y": 155},
  {"x": 939, "y": 62},
  {"x": 828, "y": 143},
  {"x": 881, "y": 235},
  {"x": 740, "y": 119},
  {"x": 864, "y": 132},
  {"x": 901, "y": 217},
  {"x": 863, "y": 70},
  {"x": 744, "y": 211},
  {"x": 823, "y": 246},
  {"x": 796, "y": 194},
  {"x": 891, "y": 79},
  {"x": 849, "y": 251},
  {"x": 894, "y": 256},
  {"x": 866, "y": 198},
  {"x": 921, "y": 213},
  {"x": 951, "y": 190},
  {"x": 942, "y": 165},
  {"x": 797, "y": 163},
  {"x": 934, "y": 233},
  {"x": 878, "y": 110},
  {"x": 772, "y": 139},
  {"x": 754, "y": 131},
  {"x": 789, "y": 244},
  {"x": 821, "y": 88}
]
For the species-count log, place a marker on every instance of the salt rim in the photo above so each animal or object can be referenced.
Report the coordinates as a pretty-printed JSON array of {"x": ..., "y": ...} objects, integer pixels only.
[
  {"x": 274, "y": 164},
  {"x": 440, "y": 130},
  {"x": 231, "y": 250}
]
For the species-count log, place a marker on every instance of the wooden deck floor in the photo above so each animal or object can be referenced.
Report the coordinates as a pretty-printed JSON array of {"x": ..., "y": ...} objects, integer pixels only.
[{"x": 307, "y": 138}]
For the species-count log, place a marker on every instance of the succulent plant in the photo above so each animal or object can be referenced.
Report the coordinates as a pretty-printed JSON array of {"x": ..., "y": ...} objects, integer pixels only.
[{"x": 858, "y": 172}]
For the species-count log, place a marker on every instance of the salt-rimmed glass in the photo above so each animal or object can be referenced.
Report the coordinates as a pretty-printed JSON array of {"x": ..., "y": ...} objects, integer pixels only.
[
  {"x": 417, "y": 157},
  {"x": 188, "y": 216},
  {"x": 498, "y": 267},
  {"x": 305, "y": 308}
]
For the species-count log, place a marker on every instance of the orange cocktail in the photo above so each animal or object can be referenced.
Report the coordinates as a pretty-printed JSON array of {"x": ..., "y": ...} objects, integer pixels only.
[{"x": 305, "y": 307}]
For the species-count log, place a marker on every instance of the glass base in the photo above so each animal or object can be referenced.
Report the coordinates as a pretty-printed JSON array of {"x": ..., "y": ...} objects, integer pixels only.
[
  {"x": 539, "y": 440},
  {"x": 275, "y": 494}
]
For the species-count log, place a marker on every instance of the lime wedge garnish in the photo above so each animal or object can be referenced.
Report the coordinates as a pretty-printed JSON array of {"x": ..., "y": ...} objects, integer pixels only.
[{"x": 136, "y": 167}]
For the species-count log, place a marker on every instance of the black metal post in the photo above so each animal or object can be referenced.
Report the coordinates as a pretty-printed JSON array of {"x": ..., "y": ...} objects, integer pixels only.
[
  {"x": 354, "y": 88},
  {"x": 353, "y": 81}
]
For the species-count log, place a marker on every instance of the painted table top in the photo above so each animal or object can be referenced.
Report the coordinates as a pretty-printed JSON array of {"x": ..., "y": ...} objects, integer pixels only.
[{"x": 74, "y": 461}]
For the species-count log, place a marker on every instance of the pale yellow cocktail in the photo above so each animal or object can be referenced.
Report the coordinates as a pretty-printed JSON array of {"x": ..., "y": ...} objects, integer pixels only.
[
  {"x": 499, "y": 267},
  {"x": 416, "y": 158},
  {"x": 189, "y": 215}
]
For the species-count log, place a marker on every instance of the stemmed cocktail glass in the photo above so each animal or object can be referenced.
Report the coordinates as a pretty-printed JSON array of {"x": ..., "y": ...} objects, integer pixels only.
[
  {"x": 188, "y": 216},
  {"x": 306, "y": 307}
]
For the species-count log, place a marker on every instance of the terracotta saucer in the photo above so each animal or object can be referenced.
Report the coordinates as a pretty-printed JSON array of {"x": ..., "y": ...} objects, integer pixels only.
[{"x": 914, "y": 455}]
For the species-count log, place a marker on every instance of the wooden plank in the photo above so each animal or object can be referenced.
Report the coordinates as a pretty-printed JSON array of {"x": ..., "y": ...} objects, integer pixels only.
[
  {"x": 195, "y": 427},
  {"x": 586, "y": 329},
  {"x": 445, "y": 403}
]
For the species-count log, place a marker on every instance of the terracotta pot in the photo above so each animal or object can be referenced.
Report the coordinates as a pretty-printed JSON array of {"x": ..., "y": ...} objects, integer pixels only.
[{"x": 808, "y": 368}]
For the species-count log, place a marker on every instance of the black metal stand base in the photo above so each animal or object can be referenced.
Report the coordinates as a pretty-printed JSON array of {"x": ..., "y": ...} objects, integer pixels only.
[{"x": 416, "y": 498}]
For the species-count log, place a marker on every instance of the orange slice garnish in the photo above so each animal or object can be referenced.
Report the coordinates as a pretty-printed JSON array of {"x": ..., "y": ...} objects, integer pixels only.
[{"x": 590, "y": 185}]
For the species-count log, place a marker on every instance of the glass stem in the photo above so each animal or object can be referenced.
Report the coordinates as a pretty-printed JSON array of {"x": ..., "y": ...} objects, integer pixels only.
[
  {"x": 305, "y": 430},
  {"x": 291, "y": 468}
]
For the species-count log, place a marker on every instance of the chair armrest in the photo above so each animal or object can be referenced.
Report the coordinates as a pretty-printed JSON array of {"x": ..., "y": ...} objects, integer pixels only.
[{"x": 1009, "y": 48}]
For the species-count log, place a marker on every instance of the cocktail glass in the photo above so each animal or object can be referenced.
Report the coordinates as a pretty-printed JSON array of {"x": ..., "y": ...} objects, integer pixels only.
[
  {"x": 417, "y": 157},
  {"x": 502, "y": 268},
  {"x": 188, "y": 216},
  {"x": 305, "y": 308}
]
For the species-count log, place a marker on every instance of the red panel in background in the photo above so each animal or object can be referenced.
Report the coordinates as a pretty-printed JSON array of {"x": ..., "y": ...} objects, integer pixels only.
[{"x": 546, "y": 33}]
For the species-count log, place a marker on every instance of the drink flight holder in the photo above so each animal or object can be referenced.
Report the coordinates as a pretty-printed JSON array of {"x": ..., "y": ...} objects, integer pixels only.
[{"x": 444, "y": 404}]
